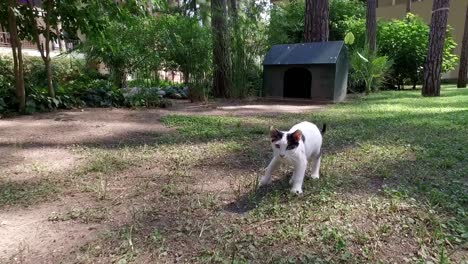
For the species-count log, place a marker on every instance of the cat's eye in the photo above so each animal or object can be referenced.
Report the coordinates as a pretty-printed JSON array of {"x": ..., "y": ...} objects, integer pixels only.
[{"x": 277, "y": 145}]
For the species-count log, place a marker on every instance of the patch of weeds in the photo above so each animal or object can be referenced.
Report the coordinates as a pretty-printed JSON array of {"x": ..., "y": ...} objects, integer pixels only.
[
  {"x": 205, "y": 201},
  {"x": 170, "y": 190},
  {"x": 156, "y": 242},
  {"x": 27, "y": 192},
  {"x": 206, "y": 128},
  {"x": 106, "y": 162},
  {"x": 87, "y": 215},
  {"x": 334, "y": 238}
]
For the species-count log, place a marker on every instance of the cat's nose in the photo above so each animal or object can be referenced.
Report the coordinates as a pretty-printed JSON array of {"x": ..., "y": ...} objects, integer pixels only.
[{"x": 282, "y": 155}]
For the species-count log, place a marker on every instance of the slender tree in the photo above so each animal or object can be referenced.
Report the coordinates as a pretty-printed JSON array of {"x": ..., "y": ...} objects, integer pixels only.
[
  {"x": 15, "y": 43},
  {"x": 43, "y": 47},
  {"x": 433, "y": 65},
  {"x": 462, "y": 72},
  {"x": 371, "y": 24},
  {"x": 408, "y": 6},
  {"x": 221, "y": 51},
  {"x": 316, "y": 20}
]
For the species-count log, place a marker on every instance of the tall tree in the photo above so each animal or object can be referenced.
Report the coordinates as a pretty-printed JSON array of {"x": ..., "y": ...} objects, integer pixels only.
[
  {"x": 34, "y": 15},
  {"x": 316, "y": 20},
  {"x": 371, "y": 24},
  {"x": 433, "y": 65},
  {"x": 408, "y": 6},
  {"x": 15, "y": 43},
  {"x": 462, "y": 72},
  {"x": 221, "y": 51}
]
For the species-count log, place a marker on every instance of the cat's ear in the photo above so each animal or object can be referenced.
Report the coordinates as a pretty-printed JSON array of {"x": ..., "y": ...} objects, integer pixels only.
[
  {"x": 297, "y": 135},
  {"x": 275, "y": 134}
]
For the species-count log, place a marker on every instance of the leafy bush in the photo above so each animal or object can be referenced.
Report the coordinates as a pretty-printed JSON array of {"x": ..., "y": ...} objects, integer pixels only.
[
  {"x": 42, "y": 103},
  {"x": 185, "y": 46},
  {"x": 64, "y": 68},
  {"x": 7, "y": 91},
  {"x": 406, "y": 42},
  {"x": 145, "y": 97},
  {"x": 95, "y": 93}
]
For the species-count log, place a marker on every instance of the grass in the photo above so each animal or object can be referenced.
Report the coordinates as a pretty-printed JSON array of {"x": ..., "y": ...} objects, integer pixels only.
[
  {"x": 394, "y": 172},
  {"x": 27, "y": 192},
  {"x": 392, "y": 189}
]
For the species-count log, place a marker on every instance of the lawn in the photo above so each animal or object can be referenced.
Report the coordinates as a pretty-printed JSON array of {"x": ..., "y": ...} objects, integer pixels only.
[{"x": 393, "y": 189}]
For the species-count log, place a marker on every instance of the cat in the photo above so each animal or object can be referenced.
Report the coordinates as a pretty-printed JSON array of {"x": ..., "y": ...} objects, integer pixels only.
[{"x": 300, "y": 145}]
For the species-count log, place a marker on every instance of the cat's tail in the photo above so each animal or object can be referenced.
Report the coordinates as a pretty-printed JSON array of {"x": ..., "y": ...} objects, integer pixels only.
[{"x": 324, "y": 129}]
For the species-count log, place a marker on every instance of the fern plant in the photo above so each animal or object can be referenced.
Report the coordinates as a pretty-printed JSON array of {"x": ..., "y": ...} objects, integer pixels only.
[{"x": 372, "y": 69}]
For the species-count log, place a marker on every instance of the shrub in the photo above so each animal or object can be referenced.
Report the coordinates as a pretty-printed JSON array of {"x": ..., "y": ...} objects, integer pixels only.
[
  {"x": 372, "y": 69},
  {"x": 146, "y": 97},
  {"x": 43, "y": 103},
  {"x": 7, "y": 91},
  {"x": 404, "y": 41},
  {"x": 97, "y": 93}
]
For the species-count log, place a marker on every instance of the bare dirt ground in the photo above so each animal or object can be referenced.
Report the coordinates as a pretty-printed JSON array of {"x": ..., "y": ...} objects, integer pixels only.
[{"x": 39, "y": 151}]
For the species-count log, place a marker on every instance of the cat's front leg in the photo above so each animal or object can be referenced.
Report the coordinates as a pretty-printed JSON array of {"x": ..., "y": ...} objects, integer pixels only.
[
  {"x": 274, "y": 164},
  {"x": 298, "y": 176}
]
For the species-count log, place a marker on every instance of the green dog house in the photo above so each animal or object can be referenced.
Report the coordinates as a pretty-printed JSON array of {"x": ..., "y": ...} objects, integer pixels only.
[{"x": 317, "y": 71}]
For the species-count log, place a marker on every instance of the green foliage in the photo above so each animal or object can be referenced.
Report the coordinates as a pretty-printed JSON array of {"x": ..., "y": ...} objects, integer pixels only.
[
  {"x": 248, "y": 45},
  {"x": 185, "y": 45},
  {"x": 370, "y": 68},
  {"x": 404, "y": 41},
  {"x": 287, "y": 20},
  {"x": 123, "y": 46},
  {"x": 7, "y": 82},
  {"x": 142, "y": 97},
  {"x": 93, "y": 92},
  {"x": 343, "y": 13},
  {"x": 41, "y": 102}
]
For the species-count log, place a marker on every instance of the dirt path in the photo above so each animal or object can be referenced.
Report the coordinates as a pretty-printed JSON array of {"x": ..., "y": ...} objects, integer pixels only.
[{"x": 39, "y": 149}]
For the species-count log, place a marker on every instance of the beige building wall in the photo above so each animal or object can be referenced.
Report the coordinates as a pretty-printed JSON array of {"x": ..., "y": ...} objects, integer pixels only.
[{"x": 389, "y": 9}]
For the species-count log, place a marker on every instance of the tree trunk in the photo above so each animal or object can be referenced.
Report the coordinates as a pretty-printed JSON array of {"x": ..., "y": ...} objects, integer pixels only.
[
  {"x": 433, "y": 65},
  {"x": 61, "y": 41},
  {"x": 408, "y": 6},
  {"x": 194, "y": 7},
  {"x": 462, "y": 72},
  {"x": 47, "y": 50},
  {"x": 44, "y": 49},
  {"x": 120, "y": 78},
  {"x": 316, "y": 21},
  {"x": 371, "y": 25},
  {"x": 17, "y": 57},
  {"x": 186, "y": 77},
  {"x": 221, "y": 51}
]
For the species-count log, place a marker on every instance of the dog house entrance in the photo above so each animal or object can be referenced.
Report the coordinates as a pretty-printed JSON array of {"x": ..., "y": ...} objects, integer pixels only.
[{"x": 297, "y": 83}]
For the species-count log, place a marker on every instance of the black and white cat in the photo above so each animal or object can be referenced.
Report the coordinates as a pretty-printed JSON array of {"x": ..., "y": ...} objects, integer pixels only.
[{"x": 300, "y": 145}]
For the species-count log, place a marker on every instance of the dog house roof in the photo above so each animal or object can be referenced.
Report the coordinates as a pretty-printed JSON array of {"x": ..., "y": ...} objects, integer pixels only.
[{"x": 304, "y": 53}]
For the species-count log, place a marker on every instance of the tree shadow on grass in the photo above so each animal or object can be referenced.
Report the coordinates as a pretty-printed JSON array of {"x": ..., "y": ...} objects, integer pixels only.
[{"x": 251, "y": 199}]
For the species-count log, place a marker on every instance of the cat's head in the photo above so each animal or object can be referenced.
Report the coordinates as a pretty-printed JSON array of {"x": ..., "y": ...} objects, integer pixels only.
[{"x": 283, "y": 142}]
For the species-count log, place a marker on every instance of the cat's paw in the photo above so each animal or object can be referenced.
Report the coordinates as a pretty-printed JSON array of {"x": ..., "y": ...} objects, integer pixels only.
[
  {"x": 296, "y": 191},
  {"x": 265, "y": 180},
  {"x": 314, "y": 176},
  {"x": 291, "y": 181}
]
